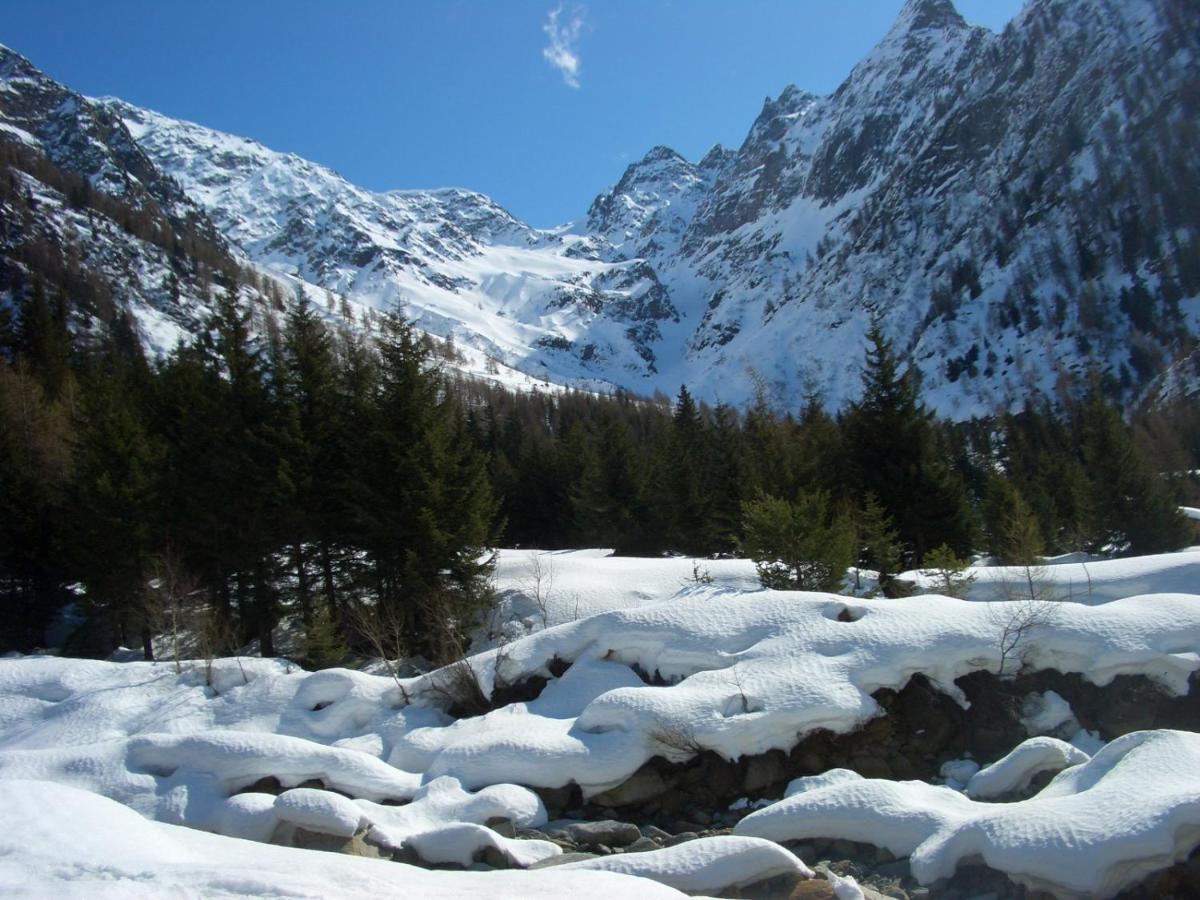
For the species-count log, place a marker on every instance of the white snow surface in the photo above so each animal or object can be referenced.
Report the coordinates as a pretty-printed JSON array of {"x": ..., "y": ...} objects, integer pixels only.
[
  {"x": 60, "y": 841},
  {"x": 731, "y": 670},
  {"x": 1017, "y": 768},
  {"x": 1099, "y": 581},
  {"x": 1046, "y": 713},
  {"x": 1095, "y": 829},
  {"x": 748, "y": 672},
  {"x": 704, "y": 865}
]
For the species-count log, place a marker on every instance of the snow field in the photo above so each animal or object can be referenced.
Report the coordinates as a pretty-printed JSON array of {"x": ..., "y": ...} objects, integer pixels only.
[
  {"x": 1095, "y": 582},
  {"x": 60, "y": 841},
  {"x": 671, "y": 667}
]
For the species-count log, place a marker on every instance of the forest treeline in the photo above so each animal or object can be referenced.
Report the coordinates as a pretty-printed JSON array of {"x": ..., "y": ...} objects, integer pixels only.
[{"x": 282, "y": 467}]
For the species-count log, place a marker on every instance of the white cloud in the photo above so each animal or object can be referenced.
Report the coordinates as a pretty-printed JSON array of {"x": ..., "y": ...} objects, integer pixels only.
[{"x": 563, "y": 27}]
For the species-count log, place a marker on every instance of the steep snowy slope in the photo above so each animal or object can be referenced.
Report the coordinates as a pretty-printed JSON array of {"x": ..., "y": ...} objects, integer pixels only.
[
  {"x": 456, "y": 262},
  {"x": 1019, "y": 209},
  {"x": 1014, "y": 206},
  {"x": 80, "y": 200}
]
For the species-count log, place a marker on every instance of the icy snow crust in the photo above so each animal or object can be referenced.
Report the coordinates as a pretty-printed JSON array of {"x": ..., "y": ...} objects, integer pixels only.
[
  {"x": 1096, "y": 828},
  {"x": 272, "y": 747}
]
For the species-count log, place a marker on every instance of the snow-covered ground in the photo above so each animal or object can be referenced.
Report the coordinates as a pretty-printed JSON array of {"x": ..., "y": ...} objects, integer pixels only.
[
  {"x": 136, "y": 779},
  {"x": 1097, "y": 581}
]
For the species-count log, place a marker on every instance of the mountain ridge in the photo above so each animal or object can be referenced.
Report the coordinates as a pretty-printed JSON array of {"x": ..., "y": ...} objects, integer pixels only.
[{"x": 996, "y": 200}]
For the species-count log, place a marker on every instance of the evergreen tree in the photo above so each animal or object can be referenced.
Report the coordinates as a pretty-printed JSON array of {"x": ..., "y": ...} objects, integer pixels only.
[
  {"x": 686, "y": 478},
  {"x": 35, "y": 470},
  {"x": 727, "y": 480},
  {"x": 893, "y": 454},
  {"x": 117, "y": 468},
  {"x": 879, "y": 546},
  {"x": 430, "y": 514},
  {"x": 1132, "y": 510},
  {"x": 798, "y": 546},
  {"x": 307, "y": 383},
  {"x": 1014, "y": 535}
]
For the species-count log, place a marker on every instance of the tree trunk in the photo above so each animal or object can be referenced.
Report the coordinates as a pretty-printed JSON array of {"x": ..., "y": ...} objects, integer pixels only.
[
  {"x": 303, "y": 592},
  {"x": 327, "y": 573},
  {"x": 263, "y": 619}
]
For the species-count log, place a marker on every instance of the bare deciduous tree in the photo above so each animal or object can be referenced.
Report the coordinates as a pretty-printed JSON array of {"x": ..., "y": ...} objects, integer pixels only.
[
  {"x": 539, "y": 583},
  {"x": 1029, "y": 602},
  {"x": 382, "y": 626}
]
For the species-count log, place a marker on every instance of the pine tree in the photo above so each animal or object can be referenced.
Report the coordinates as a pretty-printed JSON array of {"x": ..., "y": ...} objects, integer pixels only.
[
  {"x": 686, "y": 478},
  {"x": 307, "y": 384},
  {"x": 893, "y": 453},
  {"x": 879, "y": 546},
  {"x": 1014, "y": 535},
  {"x": 429, "y": 515},
  {"x": 116, "y": 496},
  {"x": 727, "y": 480},
  {"x": 798, "y": 546},
  {"x": 36, "y": 438},
  {"x": 1132, "y": 510}
]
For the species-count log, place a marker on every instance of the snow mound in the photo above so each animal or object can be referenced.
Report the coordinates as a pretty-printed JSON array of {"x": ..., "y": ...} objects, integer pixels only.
[
  {"x": 702, "y": 866},
  {"x": 1020, "y": 765},
  {"x": 741, "y": 674},
  {"x": 322, "y": 811},
  {"x": 1047, "y": 712},
  {"x": 1098, "y": 827},
  {"x": 59, "y": 841}
]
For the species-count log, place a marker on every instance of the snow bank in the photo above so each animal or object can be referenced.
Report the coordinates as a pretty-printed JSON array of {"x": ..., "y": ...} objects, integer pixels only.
[
  {"x": 702, "y": 866},
  {"x": 1097, "y": 828},
  {"x": 712, "y": 667},
  {"x": 59, "y": 841},
  {"x": 752, "y": 672},
  {"x": 1099, "y": 581},
  {"x": 549, "y": 587}
]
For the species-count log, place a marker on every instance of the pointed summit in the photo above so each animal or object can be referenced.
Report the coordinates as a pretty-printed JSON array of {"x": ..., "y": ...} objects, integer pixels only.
[{"x": 927, "y": 15}]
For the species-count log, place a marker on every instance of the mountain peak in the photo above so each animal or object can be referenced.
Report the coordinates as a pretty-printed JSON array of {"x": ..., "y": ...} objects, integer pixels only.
[
  {"x": 660, "y": 153},
  {"x": 716, "y": 157},
  {"x": 927, "y": 15},
  {"x": 14, "y": 65}
]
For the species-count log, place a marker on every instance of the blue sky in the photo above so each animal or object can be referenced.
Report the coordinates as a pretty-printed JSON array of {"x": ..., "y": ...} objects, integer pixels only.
[{"x": 537, "y": 104}]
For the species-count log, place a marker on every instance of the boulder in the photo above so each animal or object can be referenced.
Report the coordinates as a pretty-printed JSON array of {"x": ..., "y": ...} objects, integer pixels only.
[
  {"x": 644, "y": 784},
  {"x": 561, "y": 859},
  {"x": 608, "y": 832},
  {"x": 763, "y": 771}
]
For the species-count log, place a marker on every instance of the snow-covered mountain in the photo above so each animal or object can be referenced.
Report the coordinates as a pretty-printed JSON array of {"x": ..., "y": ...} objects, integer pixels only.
[
  {"x": 454, "y": 261},
  {"x": 1018, "y": 209}
]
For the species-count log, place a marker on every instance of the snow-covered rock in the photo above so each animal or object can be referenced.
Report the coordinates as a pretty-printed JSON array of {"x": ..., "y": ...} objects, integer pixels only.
[
  {"x": 60, "y": 841},
  {"x": 752, "y": 672},
  {"x": 1096, "y": 828},
  {"x": 1018, "y": 768},
  {"x": 702, "y": 866}
]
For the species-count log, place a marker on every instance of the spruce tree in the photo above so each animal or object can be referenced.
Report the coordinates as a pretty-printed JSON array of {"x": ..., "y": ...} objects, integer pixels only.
[
  {"x": 879, "y": 546},
  {"x": 1132, "y": 510},
  {"x": 893, "y": 454},
  {"x": 803, "y": 545},
  {"x": 118, "y": 464},
  {"x": 429, "y": 512},
  {"x": 686, "y": 478}
]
